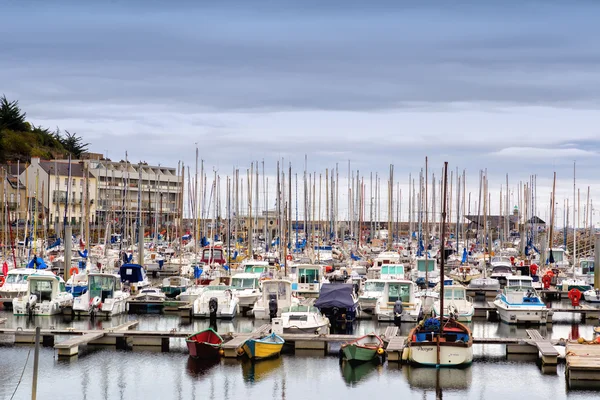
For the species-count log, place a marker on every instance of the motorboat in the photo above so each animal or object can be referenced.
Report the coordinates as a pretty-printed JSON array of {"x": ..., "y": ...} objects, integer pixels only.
[
  {"x": 149, "y": 294},
  {"x": 276, "y": 298},
  {"x": 175, "y": 285},
  {"x": 309, "y": 278},
  {"x": 338, "y": 302},
  {"x": 372, "y": 292},
  {"x": 46, "y": 295},
  {"x": 440, "y": 341},
  {"x": 399, "y": 302},
  {"x": 501, "y": 273},
  {"x": 304, "y": 319},
  {"x": 246, "y": 288},
  {"x": 77, "y": 284},
  {"x": 426, "y": 274},
  {"x": 457, "y": 304},
  {"x": 104, "y": 296},
  {"x": 216, "y": 302},
  {"x": 519, "y": 302},
  {"x": 133, "y": 277},
  {"x": 15, "y": 283},
  {"x": 592, "y": 295}
]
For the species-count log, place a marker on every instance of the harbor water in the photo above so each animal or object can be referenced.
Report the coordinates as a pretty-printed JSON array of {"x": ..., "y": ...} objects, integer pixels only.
[{"x": 105, "y": 373}]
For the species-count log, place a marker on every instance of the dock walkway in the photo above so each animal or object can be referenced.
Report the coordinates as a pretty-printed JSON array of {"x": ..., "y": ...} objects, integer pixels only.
[
  {"x": 232, "y": 347},
  {"x": 583, "y": 362}
]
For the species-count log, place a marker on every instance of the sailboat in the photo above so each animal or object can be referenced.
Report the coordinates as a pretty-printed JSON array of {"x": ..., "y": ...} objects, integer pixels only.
[{"x": 441, "y": 341}]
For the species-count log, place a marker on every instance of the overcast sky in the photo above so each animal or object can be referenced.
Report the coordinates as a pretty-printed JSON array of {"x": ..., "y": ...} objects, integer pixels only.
[{"x": 512, "y": 86}]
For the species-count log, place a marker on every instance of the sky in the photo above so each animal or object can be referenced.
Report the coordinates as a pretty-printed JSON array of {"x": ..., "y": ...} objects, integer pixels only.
[{"x": 512, "y": 87}]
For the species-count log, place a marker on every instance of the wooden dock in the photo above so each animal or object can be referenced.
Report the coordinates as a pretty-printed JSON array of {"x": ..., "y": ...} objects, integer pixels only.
[
  {"x": 547, "y": 351},
  {"x": 586, "y": 311},
  {"x": 232, "y": 347},
  {"x": 395, "y": 348},
  {"x": 70, "y": 347},
  {"x": 583, "y": 363}
]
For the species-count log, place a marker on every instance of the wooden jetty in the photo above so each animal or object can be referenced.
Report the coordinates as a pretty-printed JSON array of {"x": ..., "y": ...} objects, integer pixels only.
[
  {"x": 583, "y": 363},
  {"x": 70, "y": 347},
  {"x": 232, "y": 347}
]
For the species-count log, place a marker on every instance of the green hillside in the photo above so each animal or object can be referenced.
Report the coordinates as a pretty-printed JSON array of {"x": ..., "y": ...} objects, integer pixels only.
[{"x": 20, "y": 140}]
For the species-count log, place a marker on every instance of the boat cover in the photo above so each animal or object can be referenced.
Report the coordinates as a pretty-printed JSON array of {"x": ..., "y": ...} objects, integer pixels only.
[
  {"x": 335, "y": 295},
  {"x": 131, "y": 272}
]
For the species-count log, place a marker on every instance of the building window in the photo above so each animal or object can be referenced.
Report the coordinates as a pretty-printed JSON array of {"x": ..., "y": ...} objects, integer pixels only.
[{"x": 66, "y": 181}]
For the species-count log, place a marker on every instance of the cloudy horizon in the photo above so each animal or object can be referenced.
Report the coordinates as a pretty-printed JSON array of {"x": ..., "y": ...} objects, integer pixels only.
[{"x": 512, "y": 88}]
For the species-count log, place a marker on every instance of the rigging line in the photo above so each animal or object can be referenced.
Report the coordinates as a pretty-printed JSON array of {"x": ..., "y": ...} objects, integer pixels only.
[{"x": 21, "y": 377}]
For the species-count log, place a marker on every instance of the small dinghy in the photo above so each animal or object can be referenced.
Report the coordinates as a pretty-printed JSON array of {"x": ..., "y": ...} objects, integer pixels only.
[
  {"x": 363, "y": 349},
  {"x": 266, "y": 347},
  {"x": 205, "y": 344}
]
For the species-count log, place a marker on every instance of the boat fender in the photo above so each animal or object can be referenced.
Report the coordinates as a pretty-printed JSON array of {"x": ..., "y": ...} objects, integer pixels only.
[
  {"x": 405, "y": 353},
  {"x": 380, "y": 351},
  {"x": 2, "y": 280}
]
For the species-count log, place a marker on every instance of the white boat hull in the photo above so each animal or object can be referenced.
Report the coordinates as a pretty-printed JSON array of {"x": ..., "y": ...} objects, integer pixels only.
[
  {"x": 450, "y": 356},
  {"x": 591, "y": 296},
  {"x": 522, "y": 314},
  {"x": 45, "y": 308}
]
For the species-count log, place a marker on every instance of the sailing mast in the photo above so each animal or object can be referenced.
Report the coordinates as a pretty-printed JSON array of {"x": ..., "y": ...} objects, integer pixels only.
[{"x": 443, "y": 245}]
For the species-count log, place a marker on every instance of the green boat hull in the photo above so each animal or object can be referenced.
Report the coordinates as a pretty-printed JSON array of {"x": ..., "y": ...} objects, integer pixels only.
[{"x": 358, "y": 354}]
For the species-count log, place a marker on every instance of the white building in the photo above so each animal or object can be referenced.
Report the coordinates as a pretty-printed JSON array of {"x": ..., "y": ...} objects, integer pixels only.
[{"x": 119, "y": 188}]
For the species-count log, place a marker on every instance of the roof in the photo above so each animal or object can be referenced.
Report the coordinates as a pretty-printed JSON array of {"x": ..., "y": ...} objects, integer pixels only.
[{"x": 62, "y": 168}]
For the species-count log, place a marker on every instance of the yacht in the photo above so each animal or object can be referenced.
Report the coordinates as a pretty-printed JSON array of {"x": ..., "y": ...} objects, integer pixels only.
[
  {"x": 104, "y": 296},
  {"x": 398, "y": 302},
  {"x": 520, "y": 303},
  {"x": 45, "y": 295},
  {"x": 457, "y": 305}
]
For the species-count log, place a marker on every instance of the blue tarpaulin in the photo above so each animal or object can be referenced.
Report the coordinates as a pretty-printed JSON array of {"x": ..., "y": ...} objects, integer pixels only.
[
  {"x": 83, "y": 253},
  {"x": 197, "y": 272},
  {"x": 55, "y": 244},
  {"x": 37, "y": 262},
  {"x": 131, "y": 272},
  {"x": 354, "y": 257},
  {"x": 464, "y": 256}
]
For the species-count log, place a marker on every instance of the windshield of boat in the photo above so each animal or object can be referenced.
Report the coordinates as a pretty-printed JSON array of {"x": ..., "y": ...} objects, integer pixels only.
[
  {"x": 278, "y": 288},
  {"x": 40, "y": 286},
  {"x": 501, "y": 259},
  {"x": 399, "y": 291},
  {"x": 558, "y": 255},
  {"x": 392, "y": 270},
  {"x": 374, "y": 286},
  {"x": 518, "y": 284},
  {"x": 587, "y": 267},
  {"x": 16, "y": 278},
  {"x": 301, "y": 308},
  {"x": 301, "y": 317},
  {"x": 308, "y": 275},
  {"x": 244, "y": 283},
  {"x": 501, "y": 270},
  {"x": 421, "y": 265},
  {"x": 454, "y": 293},
  {"x": 254, "y": 269}
]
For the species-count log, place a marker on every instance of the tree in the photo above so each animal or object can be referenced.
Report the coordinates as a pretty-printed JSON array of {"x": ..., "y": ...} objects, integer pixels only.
[
  {"x": 11, "y": 116},
  {"x": 73, "y": 143}
]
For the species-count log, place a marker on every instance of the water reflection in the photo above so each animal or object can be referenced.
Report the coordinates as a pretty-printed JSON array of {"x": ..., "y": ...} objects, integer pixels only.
[
  {"x": 198, "y": 368},
  {"x": 435, "y": 378},
  {"x": 354, "y": 375},
  {"x": 255, "y": 371}
]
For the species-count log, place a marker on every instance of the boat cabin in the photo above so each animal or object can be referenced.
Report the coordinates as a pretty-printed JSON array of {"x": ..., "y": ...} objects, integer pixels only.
[
  {"x": 281, "y": 290},
  {"x": 309, "y": 279},
  {"x": 212, "y": 255},
  {"x": 587, "y": 267},
  {"x": 103, "y": 285},
  {"x": 45, "y": 286},
  {"x": 403, "y": 290},
  {"x": 245, "y": 281},
  {"x": 519, "y": 290},
  {"x": 386, "y": 257},
  {"x": 392, "y": 271}
]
